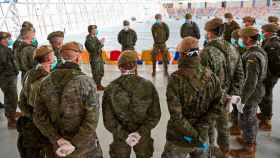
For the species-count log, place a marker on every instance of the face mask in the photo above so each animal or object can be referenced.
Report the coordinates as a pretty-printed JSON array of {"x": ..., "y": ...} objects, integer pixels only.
[
  {"x": 10, "y": 43},
  {"x": 241, "y": 43},
  {"x": 34, "y": 42},
  {"x": 261, "y": 37},
  {"x": 54, "y": 64},
  {"x": 126, "y": 28},
  {"x": 97, "y": 33},
  {"x": 188, "y": 21}
]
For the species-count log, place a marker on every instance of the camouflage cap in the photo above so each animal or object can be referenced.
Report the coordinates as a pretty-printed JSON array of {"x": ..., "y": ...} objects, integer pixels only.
[
  {"x": 128, "y": 56},
  {"x": 273, "y": 19},
  {"x": 228, "y": 15},
  {"x": 213, "y": 24},
  {"x": 74, "y": 46},
  {"x": 55, "y": 34},
  {"x": 126, "y": 23},
  {"x": 249, "y": 19},
  {"x": 188, "y": 16},
  {"x": 4, "y": 35},
  {"x": 248, "y": 32},
  {"x": 187, "y": 43},
  {"x": 235, "y": 34},
  {"x": 42, "y": 51},
  {"x": 270, "y": 28}
]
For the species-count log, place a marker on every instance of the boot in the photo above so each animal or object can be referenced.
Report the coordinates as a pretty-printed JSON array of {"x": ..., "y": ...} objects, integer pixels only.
[
  {"x": 225, "y": 152},
  {"x": 265, "y": 125},
  {"x": 240, "y": 140},
  {"x": 247, "y": 152},
  {"x": 235, "y": 131},
  {"x": 12, "y": 123},
  {"x": 100, "y": 88},
  {"x": 219, "y": 152},
  {"x": 259, "y": 116}
]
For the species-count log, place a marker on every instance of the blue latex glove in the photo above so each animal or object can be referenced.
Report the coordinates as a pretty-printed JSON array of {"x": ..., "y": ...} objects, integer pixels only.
[
  {"x": 204, "y": 146},
  {"x": 188, "y": 139}
]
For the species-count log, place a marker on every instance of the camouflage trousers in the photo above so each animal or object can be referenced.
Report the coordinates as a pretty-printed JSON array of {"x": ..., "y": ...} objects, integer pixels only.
[
  {"x": 266, "y": 104},
  {"x": 248, "y": 123},
  {"x": 144, "y": 149},
  {"x": 234, "y": 116},
  {"x": 160, "y": 48},
  {"x": 124, "y": 48},
  {"x": 223, "y": 131},
  {"x": 97, "y": 69},
  {"x": 173, "y": 151},
  {"x": 8, "y": 85}
]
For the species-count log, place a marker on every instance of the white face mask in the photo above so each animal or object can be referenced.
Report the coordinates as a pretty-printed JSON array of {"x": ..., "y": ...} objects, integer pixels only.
[{"x": 126, "y": 28}]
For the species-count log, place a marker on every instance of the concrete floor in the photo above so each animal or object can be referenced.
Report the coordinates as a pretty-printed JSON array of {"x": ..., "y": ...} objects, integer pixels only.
[{"x": 268, "y": 143}]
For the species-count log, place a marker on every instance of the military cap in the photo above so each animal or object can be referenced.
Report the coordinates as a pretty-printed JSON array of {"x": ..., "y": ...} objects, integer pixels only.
[
  {"x": 235, "y": 34},
  {"x": 270, "y": 28},
  {"x": 188, "y": 16},
  {"x": 248, "y": 32},
  {"x": 213, "y": 24},
  {"x": 128, "y": 56},
  {"x": 4, "y": 35},
  {"x": 74, "y": 46},
  {"x": 249, "y": 19},
  {"x": 91, "y": 27},
  {"x": 273, "y": 19},
  {"x": 42, "y": 51},
  {"x": 55, "y": 34},
  {"x": 228, "y": 15},
  {"x": 126, "y": 23},
  {"x": 158, "y": 16},
  {"x": 187, "y": 43},
  {"x": 26, "y": 24}
]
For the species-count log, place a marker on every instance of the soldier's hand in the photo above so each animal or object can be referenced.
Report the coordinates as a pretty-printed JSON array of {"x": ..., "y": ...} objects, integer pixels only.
[{"x": 62, "y": 142}]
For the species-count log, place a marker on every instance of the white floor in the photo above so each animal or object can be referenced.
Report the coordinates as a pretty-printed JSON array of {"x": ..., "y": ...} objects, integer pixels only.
[{"x": 268, "y": 143}]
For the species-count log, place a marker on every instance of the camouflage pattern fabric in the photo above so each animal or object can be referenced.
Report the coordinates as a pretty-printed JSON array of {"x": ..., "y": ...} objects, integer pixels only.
[
  {"x": 190, "y": 29},
  {"x": 228, "y": 29},
  {"x": 127, "y": 39}
]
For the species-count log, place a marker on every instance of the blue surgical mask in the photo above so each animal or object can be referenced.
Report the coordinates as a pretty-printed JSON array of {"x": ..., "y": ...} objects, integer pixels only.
[
  {"x": 261, "y": 37},
  {"x": 54, "y": 64},
  {"x": 241, "y": 43},
  {"x": 34, "y": 42},
  {"x": 233, "y": 41},
  {"x": 97, "y": 33},
  {"x": 10, "y": 43}
]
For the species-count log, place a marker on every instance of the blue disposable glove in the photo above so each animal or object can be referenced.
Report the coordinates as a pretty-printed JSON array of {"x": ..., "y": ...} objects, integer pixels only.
[
  {"x": 188, "y": 139},
  {"x": 204, "y": 146}
]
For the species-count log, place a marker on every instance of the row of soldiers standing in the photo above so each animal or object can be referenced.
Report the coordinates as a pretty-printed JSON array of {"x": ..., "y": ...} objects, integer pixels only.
[{"x": 61, "y": 107}]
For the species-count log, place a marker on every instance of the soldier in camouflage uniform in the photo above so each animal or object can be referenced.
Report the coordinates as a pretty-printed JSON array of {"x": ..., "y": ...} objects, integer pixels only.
[
  {"x": 249, "y": 21},
  {"x": 229, "y": 26},
  {"x": 130, "y": 104},
  {"x": 193, "y": 96},
  {"x": 67, "y": 108},
  {"x": 8, "y": 79},
  {"x": 31, "y": 143},
  {"x": 94, "y": 47},
  {"x": 127, "y": 37},
  {"x": 223, "y": 59},
  {"x": 190, "y": 28},
  {"x": 255, "y": 67},
  {"x": 271, "y": 45},
  {"x": 56, "y": 40},
  {"x": 160, "y": 33},
  {"x": 273, "y": 20},
  {"x": 24, "y": 51},
  {"x": 18, "y": 41}
]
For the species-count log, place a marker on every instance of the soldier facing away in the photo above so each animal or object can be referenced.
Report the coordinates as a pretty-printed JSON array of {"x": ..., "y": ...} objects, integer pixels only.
[
  {"x": 94, "y": 47},
  {"x": 229, "y": 26},
  {"x": 8, "y": 79},
  {"x": 190, "y": 28},
  {"x": 160, "y": 33},
  {"x": 31, "y": 143},
  {"x": 127, "y": 37},
  {"x": 271, "y": 45},
  {"x": 225, "y": 62},
  {"x": 67, "y": 107},
  {"x": 255, "y": 67},
  {"x": 130, "y": 108},
  {"x": 193, "y": 97}
]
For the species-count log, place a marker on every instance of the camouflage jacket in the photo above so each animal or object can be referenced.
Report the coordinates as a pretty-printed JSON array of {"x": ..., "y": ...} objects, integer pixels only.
[
  {"x": 94, "y": 48},
  {"x": 223, "y": 59},
  {"x": 255, "y": 66},
  {"x": 127, "y": 38},
  {"x": 193, "y": 97},
  {"x": 7, "y": 63},
  {"x": 57, "y": 54},
  {"x": 30, "y": 89},
  {"x": 67, "y": 106},
  {"x": 130, "y": 103},
  {"x": 160, "y": 33},
  {"x": 24, "y": 56},
  {"x": 229, "y": 28},
  {"x": 190, "y": 29}
]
